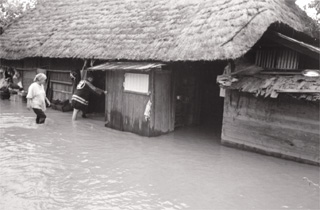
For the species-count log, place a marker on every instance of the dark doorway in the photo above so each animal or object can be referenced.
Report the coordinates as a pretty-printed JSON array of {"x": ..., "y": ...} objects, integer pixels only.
[
  {"x": 211, "y": 106},
  {"x": 197, "y": 95},
  {"x": 97, "y": 102}
]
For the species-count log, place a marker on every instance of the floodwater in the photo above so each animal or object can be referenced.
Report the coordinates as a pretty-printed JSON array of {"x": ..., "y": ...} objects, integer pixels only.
[{"x": 83, "y": 165}]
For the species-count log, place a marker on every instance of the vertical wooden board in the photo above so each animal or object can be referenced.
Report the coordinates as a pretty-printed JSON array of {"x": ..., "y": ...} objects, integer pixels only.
[
  {"x": 162, "y": 102},
  {"x": 107, "y": 99},
  {"x": 133, "y": 107},
  {"x": 115, "y": 86}
]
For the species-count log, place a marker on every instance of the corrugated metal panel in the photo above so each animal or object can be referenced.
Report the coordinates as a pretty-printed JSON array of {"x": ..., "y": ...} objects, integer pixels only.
[
  {"x": 280, "y": 59},
  {"x": 288, "y": 59},
  {"x": 138, "y": 66}
]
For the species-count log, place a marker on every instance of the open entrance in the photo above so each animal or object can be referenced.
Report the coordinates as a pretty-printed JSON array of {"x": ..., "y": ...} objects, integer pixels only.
[
  {"x": 97, "y": 102},
  {"x": 197, "y": 96}
]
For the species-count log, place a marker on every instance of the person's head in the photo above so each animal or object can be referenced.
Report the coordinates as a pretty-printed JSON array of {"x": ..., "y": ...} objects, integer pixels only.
[{"x": 40, "y": 78}]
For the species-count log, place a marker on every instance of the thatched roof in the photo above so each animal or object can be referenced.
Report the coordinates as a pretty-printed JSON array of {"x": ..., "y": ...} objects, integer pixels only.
[
  {"x": 163, "y": 30},
  {"x": 272, "y": 85}
]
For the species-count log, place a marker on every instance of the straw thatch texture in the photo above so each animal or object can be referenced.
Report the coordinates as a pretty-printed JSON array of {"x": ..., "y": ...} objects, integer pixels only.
[
  {"x": 167, "y": 30},
  {"x": 271, "y": 85}
]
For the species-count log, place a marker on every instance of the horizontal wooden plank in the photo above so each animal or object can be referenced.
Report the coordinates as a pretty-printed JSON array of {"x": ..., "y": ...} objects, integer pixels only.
[
  {"x": 280, "y": 72},
  {"x": 296, "y": 91},
  {"x": 251, "y": 138},
  {"x": 26, "y": 69},
  {"x": 277, "y": 149},
  {"x": 61, "y": 91},
  {"x": 58, "y": 71},
  {"x": 274, "y": 130},
  {"x": 61, "y": 82},
  {"x": 278, "y": 120},
  {"x": 310, "y": 160}
]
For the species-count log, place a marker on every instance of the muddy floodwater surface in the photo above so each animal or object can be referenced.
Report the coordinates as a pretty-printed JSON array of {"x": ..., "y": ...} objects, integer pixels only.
[{"x": 84, "y": 165}]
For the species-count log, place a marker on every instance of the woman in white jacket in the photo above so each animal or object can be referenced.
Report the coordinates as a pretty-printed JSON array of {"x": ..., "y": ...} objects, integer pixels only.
[{"x": 36, "y": 97}]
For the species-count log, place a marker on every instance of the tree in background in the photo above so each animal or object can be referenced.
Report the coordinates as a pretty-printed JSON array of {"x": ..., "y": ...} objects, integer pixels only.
[
  {"x": 314, "y": 24},
  {"x": 12, "y": 9},
  {"x": 316, "y": 5}
]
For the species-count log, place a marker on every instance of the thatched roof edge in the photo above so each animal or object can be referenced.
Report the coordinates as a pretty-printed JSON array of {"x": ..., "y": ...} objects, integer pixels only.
[{"x": 164, "y": 30}]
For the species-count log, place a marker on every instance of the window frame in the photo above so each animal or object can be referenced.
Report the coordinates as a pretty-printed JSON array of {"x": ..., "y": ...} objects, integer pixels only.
[{"x": 133, "y": 91}]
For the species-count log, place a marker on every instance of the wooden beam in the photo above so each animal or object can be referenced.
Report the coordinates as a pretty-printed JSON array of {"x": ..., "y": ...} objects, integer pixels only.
[
  {"x": 293, "y": 44},
  {"x": 61, "y": 82},
  {"x": 296, "y": 91},
  {"x": 58, "y": 71},
  {"x": 25, "y": 69},
  {"x": 62, "y": 91},
  {"x": 281, "y": 72}
]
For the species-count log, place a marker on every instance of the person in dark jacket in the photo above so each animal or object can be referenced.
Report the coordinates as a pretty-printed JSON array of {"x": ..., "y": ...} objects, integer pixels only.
[{"x": 80, "y": 98}]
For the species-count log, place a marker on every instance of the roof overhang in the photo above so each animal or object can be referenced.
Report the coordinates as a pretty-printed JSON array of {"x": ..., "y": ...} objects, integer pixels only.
[
  {"x": 126, "y": 66},
  {"x": 272, "y": 85},
  {"x": 294, "y": 44}
]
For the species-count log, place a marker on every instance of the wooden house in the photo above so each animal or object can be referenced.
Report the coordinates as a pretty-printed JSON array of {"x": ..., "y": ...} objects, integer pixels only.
[
  {"x": 270, "y": 105},
  {"x": 158, "y": 60}
]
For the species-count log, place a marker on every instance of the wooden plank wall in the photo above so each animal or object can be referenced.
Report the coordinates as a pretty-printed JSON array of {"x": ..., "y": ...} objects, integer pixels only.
[
  {"x": 29, "y": 75},
  {"x": 125, "y": 110},
  {"x": 114, "y": 81},
  {"x": 62, "y": 82},
  {"x": 282, "y": 127},
  {"x": 163, "y": 106},
  {"x": 60, "y": 85}
]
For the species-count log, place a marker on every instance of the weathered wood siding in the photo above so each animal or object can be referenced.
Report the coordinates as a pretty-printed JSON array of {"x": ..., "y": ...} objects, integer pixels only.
[
  {"x": 124, "y": 110},
  {"x": 282, "y": 127},
  {"x": 162, "y": 102},
  {"x": 58, "y": 71},
  {"x": 60, "y": 85},
  {"x": 27, "y": 76}
]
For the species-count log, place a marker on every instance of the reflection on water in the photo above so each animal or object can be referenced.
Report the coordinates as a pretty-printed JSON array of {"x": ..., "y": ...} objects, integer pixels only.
[{"x": 83, "y": 165}]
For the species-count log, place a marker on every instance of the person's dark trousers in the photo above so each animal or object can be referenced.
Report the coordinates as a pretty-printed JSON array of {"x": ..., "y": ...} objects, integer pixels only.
[{"x": 41, "y": 117}]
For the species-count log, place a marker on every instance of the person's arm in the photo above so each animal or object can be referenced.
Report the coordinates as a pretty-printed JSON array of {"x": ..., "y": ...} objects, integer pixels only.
[
  {"x": 29, "y": 97},
  {"x": 96, "y": 90},
  {"x": 48, "y": 102},
  {"x": 29, "y": 103}
]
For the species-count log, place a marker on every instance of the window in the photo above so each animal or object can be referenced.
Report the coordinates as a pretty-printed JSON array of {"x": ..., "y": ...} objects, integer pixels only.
[{"x": 136, "y": 83}]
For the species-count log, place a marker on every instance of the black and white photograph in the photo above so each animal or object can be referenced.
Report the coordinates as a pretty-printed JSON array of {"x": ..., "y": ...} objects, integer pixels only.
[{"x": 159, "y": 104}]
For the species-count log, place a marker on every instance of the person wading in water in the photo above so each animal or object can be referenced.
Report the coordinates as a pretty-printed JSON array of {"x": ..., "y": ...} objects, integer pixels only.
[
  {"x": 80, "y": 98},
  {"x": 36, "y": 97}
]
